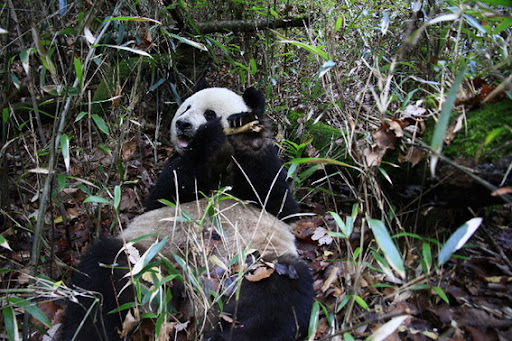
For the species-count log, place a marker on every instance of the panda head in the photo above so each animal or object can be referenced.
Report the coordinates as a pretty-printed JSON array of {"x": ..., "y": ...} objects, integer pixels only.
[{"x": 207, "y": 105}]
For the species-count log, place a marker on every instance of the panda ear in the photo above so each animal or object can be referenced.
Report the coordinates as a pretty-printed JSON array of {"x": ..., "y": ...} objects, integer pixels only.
[
  {"x": 254, "y": 100},
  {"x": 201, "y": 85}
]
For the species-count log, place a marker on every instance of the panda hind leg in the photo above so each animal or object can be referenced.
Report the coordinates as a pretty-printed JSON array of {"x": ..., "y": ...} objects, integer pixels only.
[
  {"x": 91, "y": 276},
  {"x": 274, "y": 308}
]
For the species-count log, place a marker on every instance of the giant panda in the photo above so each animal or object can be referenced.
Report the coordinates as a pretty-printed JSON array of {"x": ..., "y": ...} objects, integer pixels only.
[
  {"x": 273, "y": 308},
  {"x": 206, "y": 158}
]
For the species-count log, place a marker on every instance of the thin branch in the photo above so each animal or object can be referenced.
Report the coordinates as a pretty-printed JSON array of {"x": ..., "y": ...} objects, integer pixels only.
[{"x": 250, "y": 25}]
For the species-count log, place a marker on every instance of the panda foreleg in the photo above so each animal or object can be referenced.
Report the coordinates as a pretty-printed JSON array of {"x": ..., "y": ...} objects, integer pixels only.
[
  {"x": 199, "y": 169},
  {"x": 274, "y": 308},
  {"x": 91, "y": 276}
]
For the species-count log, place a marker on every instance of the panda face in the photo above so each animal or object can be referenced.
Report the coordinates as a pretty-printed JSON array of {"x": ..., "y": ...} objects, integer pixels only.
[{"x": 198, "y": 109}]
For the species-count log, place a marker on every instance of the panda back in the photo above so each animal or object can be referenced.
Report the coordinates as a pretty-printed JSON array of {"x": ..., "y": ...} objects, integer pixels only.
[{"x": 242, "y": 227}]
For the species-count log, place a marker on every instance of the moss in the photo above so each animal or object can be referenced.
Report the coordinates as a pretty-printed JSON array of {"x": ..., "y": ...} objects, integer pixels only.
[
  {"x": 320, "y": 133},
  {"x": 495, "y": 118}
]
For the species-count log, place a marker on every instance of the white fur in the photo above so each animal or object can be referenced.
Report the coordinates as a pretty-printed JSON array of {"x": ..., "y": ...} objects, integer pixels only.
[
  {"x": 221, "y": 100},
  {"x": 243, "y": 227}
]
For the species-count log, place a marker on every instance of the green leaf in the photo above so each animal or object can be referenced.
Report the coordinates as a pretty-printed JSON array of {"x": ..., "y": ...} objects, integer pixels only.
[
  {"x": 387, "y": 246},
  {"x": 313, "y": 49},
  {"x": 493, "y": 134},
  {"x": 348, "y": 337},
  {"x": 32, "y": 309},
  {"x": 427, "y": 255},
  {"x": 11, "y": 325},
  {"x": 96, "y": 199},
  {"x": 122, "y": 307},
  {"x": 4, "y": 243},
  {"x": 318, "y": 160},
  {"x": 343, "y": 227},
  {"x": 64, "y": 144},
  {"x": 24, "y": 57},
  {"x": 441, "y": 294},
  {"x": 339, "y": 23},
  {"x": 444, "y": 118},
  {"x": 79, "y": 72},
  {"x": 359, "y": 300},
  {"x": 80, "y": 116},
  {"x": 117, "y": 197},
  {"x": 253, "y": 66},
  {"x": 313, "y": 320},
  {"x": 154, "y": 249},
  {"x": 458, "y": 239},
  {"x": 5, "y": 115},
  {"x": 100, "y": 123}
]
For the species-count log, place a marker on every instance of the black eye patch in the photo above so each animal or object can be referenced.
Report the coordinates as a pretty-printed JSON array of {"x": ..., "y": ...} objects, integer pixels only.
[{"x": 210, "y": 115}]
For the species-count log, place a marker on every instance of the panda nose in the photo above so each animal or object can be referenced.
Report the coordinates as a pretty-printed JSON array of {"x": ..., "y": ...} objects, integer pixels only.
[{"x": 182, "y": 125}]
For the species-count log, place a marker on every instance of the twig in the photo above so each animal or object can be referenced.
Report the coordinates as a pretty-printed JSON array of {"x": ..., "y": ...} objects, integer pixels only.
[
  {"x": 249, "y": 25},
  {"x": 253, "y": 127}
]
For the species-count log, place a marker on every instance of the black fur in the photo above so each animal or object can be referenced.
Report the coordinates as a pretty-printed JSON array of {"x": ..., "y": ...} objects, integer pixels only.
[
  {"x": 108, "y": 282},
  {"x": 200, "y": 167},
  {"x": 203, "y": 166},
  {"x": 274, "y": 308}
]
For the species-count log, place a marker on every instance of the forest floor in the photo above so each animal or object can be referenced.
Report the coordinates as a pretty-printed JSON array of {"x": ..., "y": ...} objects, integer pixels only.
[{"x": 477, "y": 285}]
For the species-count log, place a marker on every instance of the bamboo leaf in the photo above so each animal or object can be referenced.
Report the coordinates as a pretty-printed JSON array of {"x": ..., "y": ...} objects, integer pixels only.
[
  {"x": 117, "y": 197},
  {"x": 387, "y": 246},
  {"x": 100, "y": 123},
  {"x": 31, "y": 308},
  {"x": 387, "y": 328},
  {"x": 458, "y": 239},
  {"x": 11, "y": 325},
  {"x": 444, "y": 118},
  {"x": 64, "y": 144},
  {"x": 96, "y": 199}
]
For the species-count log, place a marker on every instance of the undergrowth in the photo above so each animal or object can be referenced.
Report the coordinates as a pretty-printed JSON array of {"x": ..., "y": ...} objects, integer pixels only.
[{"x": 355, "y": 91}]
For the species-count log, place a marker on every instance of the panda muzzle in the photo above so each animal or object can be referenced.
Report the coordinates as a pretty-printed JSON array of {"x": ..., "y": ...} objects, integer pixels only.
[{"x": 184, "y": 141}]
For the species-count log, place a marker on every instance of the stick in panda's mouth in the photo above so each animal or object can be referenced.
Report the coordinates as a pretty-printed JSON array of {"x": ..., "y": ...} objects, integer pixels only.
[{"x": 253, "y": 127}]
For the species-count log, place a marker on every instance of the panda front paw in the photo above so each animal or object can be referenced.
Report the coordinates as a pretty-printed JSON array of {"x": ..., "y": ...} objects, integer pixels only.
[{"x": 241, "y": 119}]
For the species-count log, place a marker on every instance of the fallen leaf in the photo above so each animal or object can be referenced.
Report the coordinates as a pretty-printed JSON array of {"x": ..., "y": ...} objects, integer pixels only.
[
  {"x": 128, "y": 149},
  {"x": 373, "y": 155},
  {"x": 502, "y": 191},
  {"x": 321, "y": 236},
  {"x": 260, "y": 273},
  {"x": 413, "y": 111},
  {"x": 414, "y": 156},
  {"x": 128, "y": 324}
]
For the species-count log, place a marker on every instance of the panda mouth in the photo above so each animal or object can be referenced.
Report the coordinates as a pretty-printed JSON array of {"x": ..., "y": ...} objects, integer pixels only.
[{"x": 184, "y": 141}]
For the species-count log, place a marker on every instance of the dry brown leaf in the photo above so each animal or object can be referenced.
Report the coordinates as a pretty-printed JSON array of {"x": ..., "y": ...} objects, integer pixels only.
[
  {"x": 373, "y": 155},
  {"x": 260, "y": 273},
  {"x": 414, "y": 156},
  {"x": 502, "y": 191},
  {"x": 128, "y": 324},
  {"x": 128, "y": 149},
  {"x": 226, "y": 318},
  {"x": 384, "y": 139},
  {"x": 117, "y": 98},
  {"x": 128, "y": 200},
  {"x": 395, "y": 126}
]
